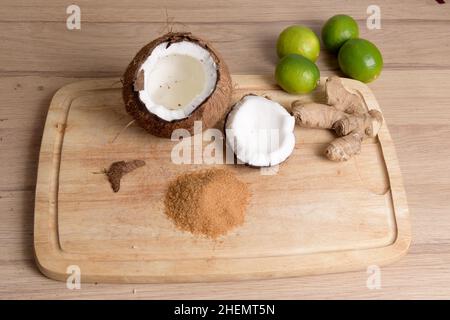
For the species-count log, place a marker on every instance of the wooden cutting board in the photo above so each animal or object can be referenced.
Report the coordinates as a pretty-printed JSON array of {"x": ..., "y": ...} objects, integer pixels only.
[{"x": 312, "y": 216}]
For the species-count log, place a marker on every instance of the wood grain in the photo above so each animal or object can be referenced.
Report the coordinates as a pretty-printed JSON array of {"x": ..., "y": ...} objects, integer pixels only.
[
  {"x": 49, "y": 47},
  {"x": 414, "y": 97},
  {"x": 219, "y": 11}
]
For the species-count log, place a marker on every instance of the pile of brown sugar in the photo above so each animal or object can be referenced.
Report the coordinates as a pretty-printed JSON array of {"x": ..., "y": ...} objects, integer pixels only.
[{"x": 210, "y": 202}]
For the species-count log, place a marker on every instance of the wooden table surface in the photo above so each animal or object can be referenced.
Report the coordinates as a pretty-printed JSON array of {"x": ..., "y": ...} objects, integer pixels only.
[{"x": 38, "y": 55}]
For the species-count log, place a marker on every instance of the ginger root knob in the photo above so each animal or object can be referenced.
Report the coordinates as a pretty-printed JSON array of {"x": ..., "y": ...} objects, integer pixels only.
[
  {"x": 369, "y": 123},
  {"x": 341, "y": 98},
  {"x": 316, "y": 115},
  {"x": 343, "y": 148}
]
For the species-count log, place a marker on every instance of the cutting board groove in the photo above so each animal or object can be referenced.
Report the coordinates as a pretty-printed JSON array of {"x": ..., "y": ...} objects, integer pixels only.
[{"x": 311, "y": 216}]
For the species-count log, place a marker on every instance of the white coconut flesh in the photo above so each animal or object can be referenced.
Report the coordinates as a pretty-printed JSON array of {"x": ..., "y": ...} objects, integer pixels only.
[
  {"x": 177, "y": 79},
  {"x": 260, "y": 131}
]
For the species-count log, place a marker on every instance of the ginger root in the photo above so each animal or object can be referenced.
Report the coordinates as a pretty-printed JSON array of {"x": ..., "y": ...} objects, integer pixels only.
[
  {"x": 348, "y": 118},
  {"x": 341, "y": 98},
  {"x": 343, "y": 148},
  {"x": 316, "y": 115},
  {"x": 369, "y": 123}
]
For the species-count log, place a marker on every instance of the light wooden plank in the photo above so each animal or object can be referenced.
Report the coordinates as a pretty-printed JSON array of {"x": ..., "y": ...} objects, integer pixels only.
[
  {"x": 420, "y": 274},
  {"x": 100, "y": 49},
  {"x": 217, "y": 11},
  {"x": 16, "y": 229}
]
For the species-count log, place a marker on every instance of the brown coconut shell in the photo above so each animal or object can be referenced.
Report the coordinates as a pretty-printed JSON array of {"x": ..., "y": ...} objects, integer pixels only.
[{"x": 210, "y": 111}]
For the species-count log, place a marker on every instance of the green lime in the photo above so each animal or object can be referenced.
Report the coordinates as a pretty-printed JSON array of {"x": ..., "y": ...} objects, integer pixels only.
[
  {"x": 337, "y": 30},
  {"x": 297, "y": 74},
  {"x": 361, "y": 60},
  {"x": 300, "y": 40}
]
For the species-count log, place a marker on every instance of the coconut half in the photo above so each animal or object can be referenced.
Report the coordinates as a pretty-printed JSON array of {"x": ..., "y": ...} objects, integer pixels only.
[
  {"x": 174, "y": 81},
  {"x": 260, "y": 131}
]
